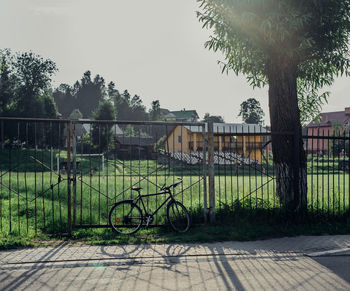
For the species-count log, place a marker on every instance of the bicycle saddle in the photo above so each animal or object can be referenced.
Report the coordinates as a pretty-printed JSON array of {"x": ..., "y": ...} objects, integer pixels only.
[{"x": 136, "y": 189}]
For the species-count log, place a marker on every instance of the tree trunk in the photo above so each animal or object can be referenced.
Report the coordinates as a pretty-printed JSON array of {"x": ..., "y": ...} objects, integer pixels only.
[{"x": 287, "y": 145}]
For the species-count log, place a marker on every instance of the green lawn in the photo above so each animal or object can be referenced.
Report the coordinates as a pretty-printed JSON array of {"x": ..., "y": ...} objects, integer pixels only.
[{"x": 34, "y": 206}]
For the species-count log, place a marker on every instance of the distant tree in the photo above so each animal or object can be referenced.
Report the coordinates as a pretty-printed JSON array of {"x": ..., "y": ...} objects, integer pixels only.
[
  {"x": 123, "y": 106},
  {"x": 65, "y": 99},
  {"x": 338, "y": 147},
  {"x": 214, "y": 118},
  {"x": 33, "y": 74},
  {"x": 75, "y": 115},
  {"x": 129, "y": 130},
  {"x": 154, "y": 112},
  {"x": 138, "y": 109},
  {"x": 251, "y": 112},
  {"x": 113, "y": 93},
  {"x": 7, "y": 83},
  {"x": 102, "y": 133},
  {"x": 89, "y": 93}
]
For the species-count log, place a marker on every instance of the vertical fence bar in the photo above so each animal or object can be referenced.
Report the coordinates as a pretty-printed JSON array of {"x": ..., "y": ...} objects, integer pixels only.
[
  {"x": 317, "y": 170},
  {"x": 328, "y": 171},
  {"x": 237, "y": 165},
  {"x": 19, "y": 144},
  {"x": 9, "y": 190},
  {"x": 211, "y": 173},
  {"x": 51, "y": 170},
  {"x": 106, "y": 170},
  {"x": 254, "y": 148},
  {"x": 69, "y": 202},
  {"x": 348, "y": 167},
  {"x": 81, "y": 176},
  {"x": 99, "y": 173},
  {"x": 334, "y": 149},
  {"x": 35, "y": 176},
  {"x": 2, "y": 141},
  {"x": 231, "y": 156},
  {"x": 91, "y": 172},
  {"x": 223, "y": 152},
  {"x": 344, "y": 168},
  {"x": 59, "y": 176},
  {"x": 74, "y": 150},
  {"x": 25, "y": 174},
  {"x": 204, "y": 151},
  {"x": 312, "y": 171}
]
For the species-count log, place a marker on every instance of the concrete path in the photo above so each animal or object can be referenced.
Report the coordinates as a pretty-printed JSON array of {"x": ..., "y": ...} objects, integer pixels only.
[{"x": 303, "y": 263}]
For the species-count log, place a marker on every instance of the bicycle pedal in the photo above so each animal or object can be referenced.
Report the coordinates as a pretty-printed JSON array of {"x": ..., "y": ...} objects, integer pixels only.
[{"x": 149, "y": 220}]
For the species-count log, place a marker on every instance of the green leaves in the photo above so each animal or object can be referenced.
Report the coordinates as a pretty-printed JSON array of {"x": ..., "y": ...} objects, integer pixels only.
[{"x": 252, "y": 34}]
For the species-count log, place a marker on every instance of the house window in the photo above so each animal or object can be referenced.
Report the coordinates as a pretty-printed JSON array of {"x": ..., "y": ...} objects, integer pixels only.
[{"x": 179, "y": 139}]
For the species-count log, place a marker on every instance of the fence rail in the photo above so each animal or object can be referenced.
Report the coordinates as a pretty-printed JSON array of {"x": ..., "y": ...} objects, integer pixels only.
[{"x": 56, "y": 175}]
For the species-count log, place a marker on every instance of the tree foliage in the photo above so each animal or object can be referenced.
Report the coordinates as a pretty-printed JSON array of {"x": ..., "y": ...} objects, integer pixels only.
[
  {"x": 251, "y": 34},
  {"x": 155, "y": 113},
  {"x": 296, "y": 47},
  {"x": 102, "y": 133},
  {"x": 84, "y": 95},
  {"x": 25, "y": 85},
  {"x": 213, "y": 118},
  {"x": 251, "y": 112}
]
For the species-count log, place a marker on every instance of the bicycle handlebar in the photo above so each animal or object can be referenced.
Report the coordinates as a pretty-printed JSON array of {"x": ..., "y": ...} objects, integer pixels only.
[{"x": 172, "y": 185}]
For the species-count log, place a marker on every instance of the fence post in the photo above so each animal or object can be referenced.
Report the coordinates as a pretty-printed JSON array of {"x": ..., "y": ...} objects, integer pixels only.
[
  {"x": 211, "y": 172},
  {"x": 69, "y": 218},
  {"x": 205, "y": 167}
]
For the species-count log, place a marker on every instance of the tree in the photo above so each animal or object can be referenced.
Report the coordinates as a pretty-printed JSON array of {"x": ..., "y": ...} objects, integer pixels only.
[
  {"x": 138, "y": 110},
  {"x": 65, "y": 99},
  {"x": 154, "y": 113},
  {"x": 89, "y": 93},
  {"x": 213, "y": 118},
  {"x": 122, "y": 106},
  {"x": 7, "y": 83},
  {"x": 251, "y": 112},
  {"x": 33, "y": 74},
  {"x": 102, "y": 133},
  {"x": 287, "y": 45},
  {"x": 75, "y": 115}
]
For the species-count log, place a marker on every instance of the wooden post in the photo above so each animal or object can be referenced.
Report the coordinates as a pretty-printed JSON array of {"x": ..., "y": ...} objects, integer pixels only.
[{"x": 211, "y": 172}]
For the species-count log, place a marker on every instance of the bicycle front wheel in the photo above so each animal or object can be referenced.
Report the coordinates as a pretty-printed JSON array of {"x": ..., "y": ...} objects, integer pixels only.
[
  {"x": 178, "y": 216},
  {"x": 125, "y": 217}
]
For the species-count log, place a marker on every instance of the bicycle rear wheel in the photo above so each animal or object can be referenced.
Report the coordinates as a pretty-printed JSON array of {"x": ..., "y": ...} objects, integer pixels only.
[
  {"x": 178, "y": 216},
  {"x": 125, "y": 217}
]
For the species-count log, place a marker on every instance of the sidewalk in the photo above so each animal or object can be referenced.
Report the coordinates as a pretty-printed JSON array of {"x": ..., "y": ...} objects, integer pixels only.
[{"x": 266, "y": 264}]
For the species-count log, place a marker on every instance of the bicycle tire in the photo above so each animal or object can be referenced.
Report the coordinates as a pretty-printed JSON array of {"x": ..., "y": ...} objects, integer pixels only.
[
  {"x": 120, "y": 219},
  {"x": 178, "y": 216}
]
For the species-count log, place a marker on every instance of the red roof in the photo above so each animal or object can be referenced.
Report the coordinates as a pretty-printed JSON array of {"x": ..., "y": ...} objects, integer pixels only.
[{"x": 330, "y": 118}]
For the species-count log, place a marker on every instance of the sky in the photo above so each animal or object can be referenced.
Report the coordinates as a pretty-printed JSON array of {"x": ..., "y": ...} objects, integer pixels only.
[{"x": 152, "y": 48}]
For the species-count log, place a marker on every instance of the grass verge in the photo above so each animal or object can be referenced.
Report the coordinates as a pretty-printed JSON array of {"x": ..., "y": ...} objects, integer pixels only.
[{"x": 197, "y": 234}]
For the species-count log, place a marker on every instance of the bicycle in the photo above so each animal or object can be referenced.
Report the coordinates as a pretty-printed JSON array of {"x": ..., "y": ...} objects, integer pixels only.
[{"x": 126, "y": 217}]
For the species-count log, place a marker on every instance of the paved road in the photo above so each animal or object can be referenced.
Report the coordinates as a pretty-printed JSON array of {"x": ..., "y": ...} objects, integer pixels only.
[{"x": 303, "y": 263}]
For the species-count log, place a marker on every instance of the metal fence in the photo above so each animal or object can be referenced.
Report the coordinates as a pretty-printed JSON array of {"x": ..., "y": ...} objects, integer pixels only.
[{"x": 59, "y": 174}]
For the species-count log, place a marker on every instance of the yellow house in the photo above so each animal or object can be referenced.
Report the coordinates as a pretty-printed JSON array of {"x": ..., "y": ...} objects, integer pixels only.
[{"x": 247, "y": 140}]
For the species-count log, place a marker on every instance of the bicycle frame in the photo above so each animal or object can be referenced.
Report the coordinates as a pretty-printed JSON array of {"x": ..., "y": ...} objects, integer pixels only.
[{"x": 140, "y": 198}]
